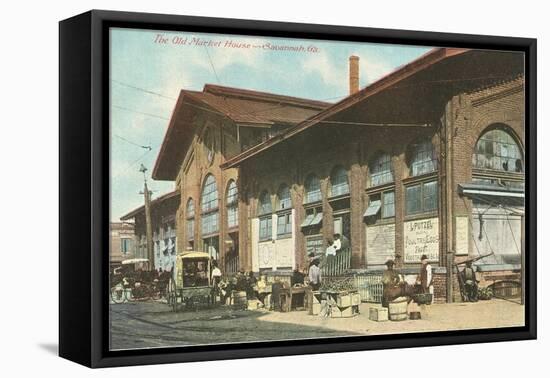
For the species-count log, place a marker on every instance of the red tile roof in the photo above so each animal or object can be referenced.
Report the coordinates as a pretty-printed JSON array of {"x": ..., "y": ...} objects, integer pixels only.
[
  {"x": 425, "y": 61},
  {"x": 241, "y": 106}
]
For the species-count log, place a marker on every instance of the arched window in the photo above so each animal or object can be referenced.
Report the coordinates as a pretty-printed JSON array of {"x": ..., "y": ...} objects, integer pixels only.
[
  {"x": 313, "y": 189},
  {"x": 190, "y": 219},
  {"x": 283, "y": 195},
  {"x": 232, "y": 204},
  {"x": 265, "y": 214},
  {"x": 497, "y": 150},
  {"x": 422, "y": 158},
  {"x": 380, "y": 169},
  {"x": 209, "y": 206},
  {"x": 339, "y": 184},
  {"x": 284, "y": 213}
]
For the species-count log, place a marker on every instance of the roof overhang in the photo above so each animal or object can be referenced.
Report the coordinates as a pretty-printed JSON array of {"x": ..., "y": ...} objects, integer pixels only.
[
  {"x": 400, "y": 85},
  {"x": 154, "y": 203}
]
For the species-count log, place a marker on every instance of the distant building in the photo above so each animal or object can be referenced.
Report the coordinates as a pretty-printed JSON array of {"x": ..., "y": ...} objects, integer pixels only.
[
  {"x": 163, "y": 219},
  {"x": 122, "y": 245}
]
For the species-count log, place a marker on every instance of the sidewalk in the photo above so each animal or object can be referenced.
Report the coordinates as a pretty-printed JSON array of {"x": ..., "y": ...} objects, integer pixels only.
[{"x": 437, "y": 317}]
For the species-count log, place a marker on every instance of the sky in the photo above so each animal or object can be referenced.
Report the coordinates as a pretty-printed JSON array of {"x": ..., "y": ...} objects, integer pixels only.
[{"x": 149, "y": 68}]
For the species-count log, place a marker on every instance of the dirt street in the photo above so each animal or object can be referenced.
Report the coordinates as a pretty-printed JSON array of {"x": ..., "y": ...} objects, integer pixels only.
[{"x": 152, "y": 324}]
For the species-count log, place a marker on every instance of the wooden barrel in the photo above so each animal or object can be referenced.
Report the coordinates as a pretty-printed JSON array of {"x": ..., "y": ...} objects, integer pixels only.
[{"x": 398, "y": 309}]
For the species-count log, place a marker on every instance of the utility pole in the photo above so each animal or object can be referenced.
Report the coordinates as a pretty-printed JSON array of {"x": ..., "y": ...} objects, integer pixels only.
[{"x": 148, "y": 225}]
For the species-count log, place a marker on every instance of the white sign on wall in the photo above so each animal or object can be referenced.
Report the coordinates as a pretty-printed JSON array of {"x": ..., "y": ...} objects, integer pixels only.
[
  {"x": 461, "y": 235},
  {"x": 380, "y": 243},
  {"x": 422, "y": 238}
]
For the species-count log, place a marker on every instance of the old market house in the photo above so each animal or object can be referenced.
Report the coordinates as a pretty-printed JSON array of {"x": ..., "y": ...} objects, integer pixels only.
[{"x": 427, "y": 160}]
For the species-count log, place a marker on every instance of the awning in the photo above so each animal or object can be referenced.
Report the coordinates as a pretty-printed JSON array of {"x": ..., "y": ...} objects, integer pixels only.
[
  {"x": 493, "y": 193},
  {"x": 312, "y": 220},
  {"x": 317, "y": 220},
  {"x": 307, "y": 221},
  {"x": 373, "y": 209},
  {"x": 134, "y": 261}
]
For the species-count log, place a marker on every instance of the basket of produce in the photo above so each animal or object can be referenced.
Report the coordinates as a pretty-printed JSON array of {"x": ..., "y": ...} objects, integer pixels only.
[
  {"x": 485, "y": 293},
  {"x": 424, "y": 298},
  {"x": 345, "y": 284}
]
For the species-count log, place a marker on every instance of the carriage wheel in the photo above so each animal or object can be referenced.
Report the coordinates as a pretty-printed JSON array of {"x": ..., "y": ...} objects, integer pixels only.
[
  {"x": 171, "y": 294},
  {"x": 118, "y": 294}
]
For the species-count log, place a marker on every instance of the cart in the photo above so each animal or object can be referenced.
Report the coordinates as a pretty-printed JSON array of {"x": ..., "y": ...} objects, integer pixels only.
[{"x": 191, "y": 284}]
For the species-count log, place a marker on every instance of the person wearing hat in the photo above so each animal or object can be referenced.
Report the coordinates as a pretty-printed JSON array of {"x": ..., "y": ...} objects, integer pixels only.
[
  {"x": 390, "y": 284},
  {"x": 424, "y": 278}
]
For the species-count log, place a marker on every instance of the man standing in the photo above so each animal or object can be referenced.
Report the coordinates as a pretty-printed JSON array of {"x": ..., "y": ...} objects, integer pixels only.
[
  {"x": 424, "y": 279},
  {"x": 390, "y": 284},
  {"x": 315, "y": 275},
  {"x": 470, "y": 282}
]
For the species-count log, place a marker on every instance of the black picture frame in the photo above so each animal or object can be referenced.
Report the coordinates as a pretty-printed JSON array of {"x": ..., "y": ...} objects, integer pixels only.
[{"x": 84, "y": 188}]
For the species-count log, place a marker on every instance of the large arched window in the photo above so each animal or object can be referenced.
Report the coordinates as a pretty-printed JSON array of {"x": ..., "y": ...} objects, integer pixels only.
[
  {"x": 422, "y": 158},
  {"x": 497, "y": 150},
  {"x": 283, "y": 196},
  {"x": 339, "y": 184},
  {"x": 284, "y": 211},
  {"x": 380, "y": 169},
  {"x": 209, "y": 206},
  {"x": 313, "y": 189},
  {"x": 190, "y": 219},
  {"x": 265, "y": 211},
  {"x": 232, "y": 204}
]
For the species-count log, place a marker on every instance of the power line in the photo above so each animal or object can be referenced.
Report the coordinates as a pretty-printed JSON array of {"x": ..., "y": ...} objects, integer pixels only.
[
  {"x": 132, "y": 164},
  {"x": 142, "y": 89},
  {"x": 132, "y": 143},
  {"x": 212, "y": 65},
  {"x": 138, "y": 112}
]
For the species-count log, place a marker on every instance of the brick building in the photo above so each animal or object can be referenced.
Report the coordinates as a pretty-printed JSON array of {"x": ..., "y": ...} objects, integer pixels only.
[
  {"x": 122, "y": 243},
  {"x": 163, "y": 220},
  {"x": 427, "y": 160},
  {"x": 206, "y": 129}
]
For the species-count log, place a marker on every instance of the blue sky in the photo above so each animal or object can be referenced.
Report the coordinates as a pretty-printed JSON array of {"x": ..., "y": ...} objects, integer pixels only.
[{"x": 146, "y": 77}]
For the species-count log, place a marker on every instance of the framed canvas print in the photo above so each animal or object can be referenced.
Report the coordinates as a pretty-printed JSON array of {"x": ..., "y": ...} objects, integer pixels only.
[{"x": 233, "y": 188}]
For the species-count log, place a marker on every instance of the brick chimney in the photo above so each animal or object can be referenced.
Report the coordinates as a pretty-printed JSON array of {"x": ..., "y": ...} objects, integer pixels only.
[{"x": 353, "y": 74}]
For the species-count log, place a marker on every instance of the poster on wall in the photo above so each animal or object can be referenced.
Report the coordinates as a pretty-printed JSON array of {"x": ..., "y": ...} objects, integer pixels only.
[{"x": 422, "y": 238}]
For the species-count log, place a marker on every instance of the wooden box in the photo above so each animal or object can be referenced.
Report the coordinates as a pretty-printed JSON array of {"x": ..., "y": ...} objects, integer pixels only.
[
  {"x": 343, "y": 300},
  {"x": 378, "y": 314}
]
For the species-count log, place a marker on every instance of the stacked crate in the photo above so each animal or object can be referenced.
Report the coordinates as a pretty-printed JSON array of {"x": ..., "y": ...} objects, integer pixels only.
[{"x": 343, "y": 304}]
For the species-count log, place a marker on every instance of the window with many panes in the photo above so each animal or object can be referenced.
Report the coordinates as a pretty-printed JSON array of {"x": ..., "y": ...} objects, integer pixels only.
[
  {"x": 421, "y": 198},
  {"x": 265, "y": 211},
  {"x": 284, "y": 211},
  {"x": 381, "y": 205},
  {"x": 190, "y": 219},
  {"x": 380, "y": 169},
  {"x": 497, "y": 150},
  {"x": 313, "y": 189},
  {"x": 209, "y": 206},
  {"x": 232, "y": 205},
  {"x": 125, "y": 245},
  {"x": 339, "y": 184},
  {"x": 423, "y": 158},
  {"x": 388, "y": 204}
]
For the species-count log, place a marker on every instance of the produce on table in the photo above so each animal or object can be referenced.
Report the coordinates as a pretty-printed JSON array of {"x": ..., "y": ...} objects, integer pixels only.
[{"x": 339, "y": 284}]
